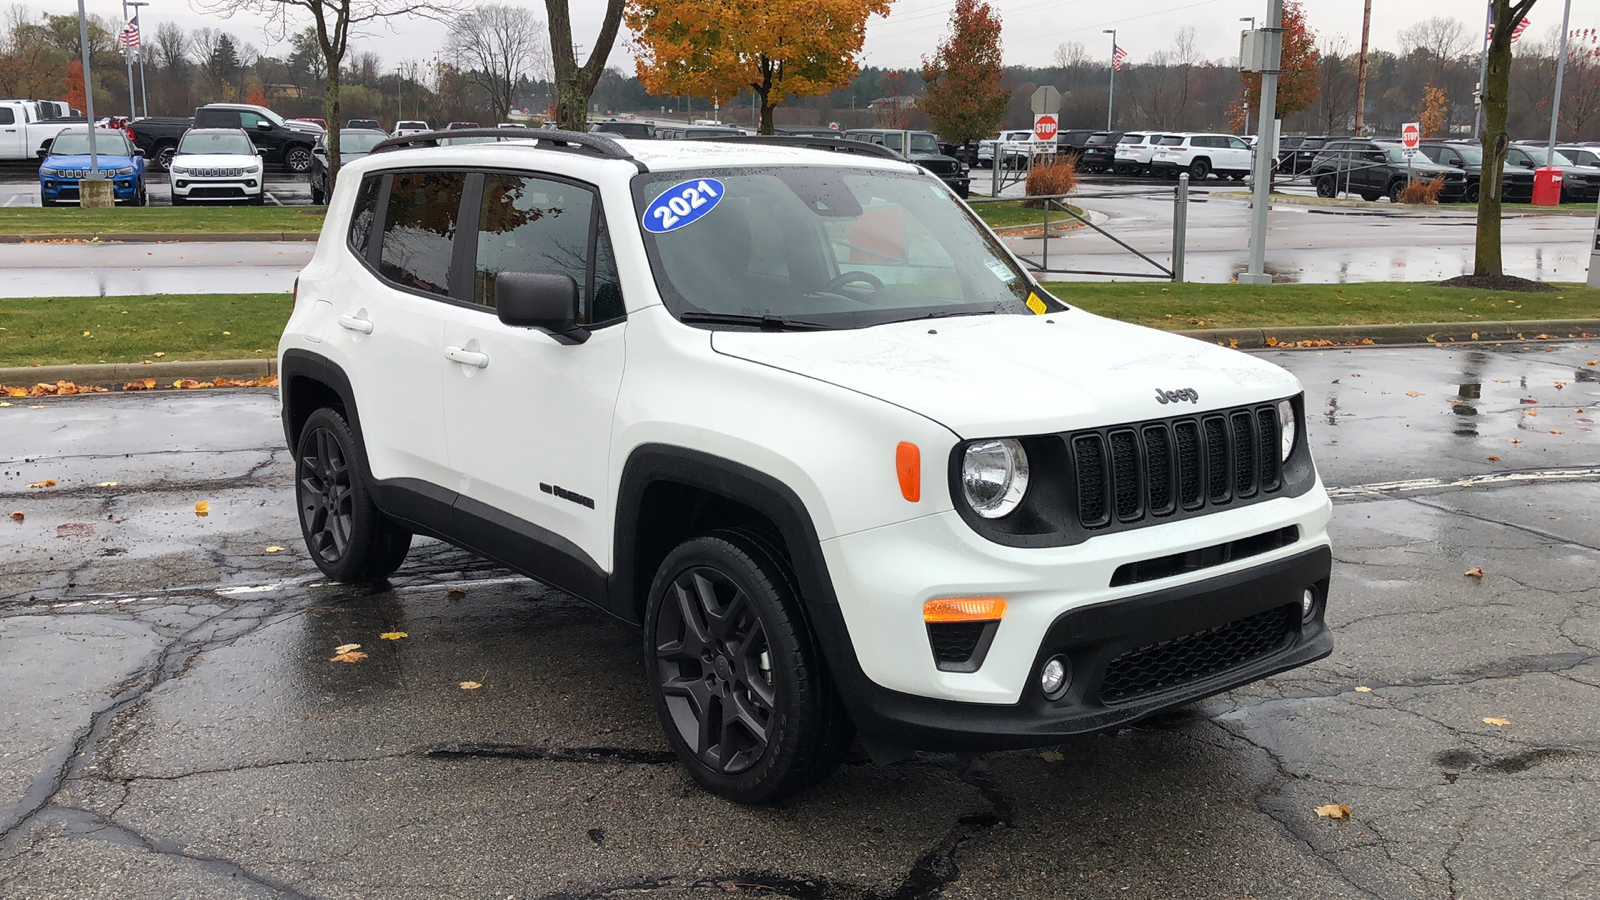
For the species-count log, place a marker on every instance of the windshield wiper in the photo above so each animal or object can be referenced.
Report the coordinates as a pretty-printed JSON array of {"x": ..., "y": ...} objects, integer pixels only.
[{"x": 766, "y": 322}]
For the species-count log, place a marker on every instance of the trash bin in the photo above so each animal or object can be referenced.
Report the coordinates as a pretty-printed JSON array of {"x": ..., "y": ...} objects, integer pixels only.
[{"x": 1547, "y": 187}]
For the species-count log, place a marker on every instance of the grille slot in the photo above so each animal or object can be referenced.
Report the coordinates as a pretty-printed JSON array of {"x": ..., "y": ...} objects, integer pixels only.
[
  {"x": 1157, "y": 667},
  {"x": 1089, "y": 453},
  {"x": 1131, "y": 474}
]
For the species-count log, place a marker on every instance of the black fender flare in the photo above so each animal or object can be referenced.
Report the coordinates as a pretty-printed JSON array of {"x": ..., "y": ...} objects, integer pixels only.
[{"x": 304, "y": 364}]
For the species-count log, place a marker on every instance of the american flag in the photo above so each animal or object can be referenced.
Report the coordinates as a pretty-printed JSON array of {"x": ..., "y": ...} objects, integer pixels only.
[
  {"x": 129, "y": 36},
  {"x": 1117, "y": 56},
  {"x": 1515, "y": 32}
]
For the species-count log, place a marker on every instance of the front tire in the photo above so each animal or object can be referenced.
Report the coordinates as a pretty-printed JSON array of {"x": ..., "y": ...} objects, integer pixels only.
[
  {"x": 348, "y": 538},
  {"x": 1397, "y": 191},
  {"x": 735, "y": 674}
]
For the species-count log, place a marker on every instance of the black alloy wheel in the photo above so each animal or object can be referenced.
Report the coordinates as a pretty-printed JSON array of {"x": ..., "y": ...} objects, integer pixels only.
[
  {"x": 298, "y": 159},
  {"x": 164, "y": 155},
  {"x": 1474, "y": 191},
  {"x": 349, "y": 539},
  {"x": 735, "y": 674},
  {"x": 1327, "y": 187},
  {"x": 1199, "y": 169},
  {"x": 1397, "y": 190}
]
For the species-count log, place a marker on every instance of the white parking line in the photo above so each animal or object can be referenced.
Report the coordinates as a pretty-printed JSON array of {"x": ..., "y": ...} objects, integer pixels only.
[{"x": 1492, "y": 479}]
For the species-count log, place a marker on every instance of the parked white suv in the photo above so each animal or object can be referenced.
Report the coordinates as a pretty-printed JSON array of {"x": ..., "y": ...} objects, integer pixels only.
[
  {"x": 213, "y": 164},
  {"x": 1134, "y": 152},
  {"x": 1013, "y": 147},
  {"x": 804, "y": 419},
  {"x": 1202, "y": 154}
]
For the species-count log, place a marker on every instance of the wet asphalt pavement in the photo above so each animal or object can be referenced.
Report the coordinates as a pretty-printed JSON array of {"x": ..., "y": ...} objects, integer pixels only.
[{"x": 173, "y": 727}]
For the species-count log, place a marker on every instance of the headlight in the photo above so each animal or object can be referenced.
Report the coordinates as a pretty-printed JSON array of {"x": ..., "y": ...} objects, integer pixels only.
[
  {"x": 1286, "y": 428},
  {"x": 125, "y": 170},
  {"x": 179, "y": 170},
  {"x": 46, "y": 170},
  {"x": 994, "y": 477}
]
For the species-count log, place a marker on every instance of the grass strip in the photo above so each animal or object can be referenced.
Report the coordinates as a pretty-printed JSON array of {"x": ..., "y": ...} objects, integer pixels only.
[
  {"x": 1010, "y": 213},
  {"x": 170, "y": 219},
  {"x": 1179, "y": 307},
  {"x": 44, "y": 331}
]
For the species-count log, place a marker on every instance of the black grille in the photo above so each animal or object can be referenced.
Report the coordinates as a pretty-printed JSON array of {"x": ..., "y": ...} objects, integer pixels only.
[
  {"x": 1131, "y": 474},
  {"x": 1156, "y": 667}
]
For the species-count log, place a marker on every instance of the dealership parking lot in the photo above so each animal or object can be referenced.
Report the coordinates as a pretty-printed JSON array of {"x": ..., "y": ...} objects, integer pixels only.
[{"x": 175, "y": 727}]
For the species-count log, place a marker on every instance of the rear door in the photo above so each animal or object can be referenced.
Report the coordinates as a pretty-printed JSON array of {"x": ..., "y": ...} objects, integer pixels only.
[{"x": 529, "y": 417}]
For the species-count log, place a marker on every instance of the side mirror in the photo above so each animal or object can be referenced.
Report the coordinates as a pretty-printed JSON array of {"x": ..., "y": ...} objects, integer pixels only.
[
  {"x": 139, "y": 153},
  {"x": 44, "y": 152},
  {"x": 261, "y": 151},
  {"x": 263, "y": 126},
  {"x": 547, "y": 301}
]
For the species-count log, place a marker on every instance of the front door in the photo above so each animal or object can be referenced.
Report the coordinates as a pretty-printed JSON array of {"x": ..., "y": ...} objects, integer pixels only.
[{"x": 528, "y": 418}]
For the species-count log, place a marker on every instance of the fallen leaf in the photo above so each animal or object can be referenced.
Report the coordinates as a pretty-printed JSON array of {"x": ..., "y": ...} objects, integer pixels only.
[
  {"x": 48, "y": 482},
  {"x": 470, "y": 685},
  {"x": 1363, "y": 690},
  {"x": 1413, "y": 394},
  {"x": 1496, "y": 722},
  {"x": 1593, "y": 362},
  {"x": 1473, "y": 573},
  {"x": 454, "y": 593},
  {"x": 1556, "y": 431},
  {"x": 1051, "y": 756},
  {"x": 158, "y": 355},
  {"x": 392, "y": 635},
  {"x": 1494, "y": 459},
  {"x": 1335, "y": 811},
  {"x": 202, "y": 509},
  {"x": 274, "y": 549},
  {"x": 1531, "y": 412},
  {"x": 3, "y": 403},
  {"x": 349, "y": 656},
  {"x": 346, "y": 648},
  {"x": 107, "y": 484},
  {"x": 17, "y": 516}
]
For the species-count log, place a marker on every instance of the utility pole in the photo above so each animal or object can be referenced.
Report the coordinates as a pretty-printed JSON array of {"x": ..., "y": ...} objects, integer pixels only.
[
  {"x": 1361, "y": 72},
  {"x": 1265, "y": 141},
  {"x": 1111, "y": 98},
  {"x": 1561, "y": 72}
]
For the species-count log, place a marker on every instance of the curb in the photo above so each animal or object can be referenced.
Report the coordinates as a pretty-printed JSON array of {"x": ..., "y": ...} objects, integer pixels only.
[
  {"x": 1317, "y": 337},
  {"x": 158, "y": 237},
  {"x": 114, "y": 375}
]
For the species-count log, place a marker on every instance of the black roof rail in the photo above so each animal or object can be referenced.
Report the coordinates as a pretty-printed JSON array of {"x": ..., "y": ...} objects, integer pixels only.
[
  {"x": 815, "y": 143},
  {"x": 570, "y": 141}
]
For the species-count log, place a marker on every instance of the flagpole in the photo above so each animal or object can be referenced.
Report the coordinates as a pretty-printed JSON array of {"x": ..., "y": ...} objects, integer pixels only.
[
  {"x": 127, "y": 57},
  {"x": 144, "y": 83},
  {"x": 1111, "y": 99}
]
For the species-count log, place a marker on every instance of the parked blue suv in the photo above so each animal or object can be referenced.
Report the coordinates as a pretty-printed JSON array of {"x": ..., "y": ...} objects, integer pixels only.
[{"x": 68, "y": 160}]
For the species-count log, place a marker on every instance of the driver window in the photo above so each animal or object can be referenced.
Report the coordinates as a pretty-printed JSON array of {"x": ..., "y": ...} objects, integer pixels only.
[{"x": 250, "y": 120}]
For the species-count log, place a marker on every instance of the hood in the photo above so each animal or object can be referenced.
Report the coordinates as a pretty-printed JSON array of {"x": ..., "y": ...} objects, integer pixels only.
[
  {"x": 1003, "y": 375},
  {"x": 215, "y": 160},
  {"x": 303, "y": 127},
  {"x": 81, "y": 161}
]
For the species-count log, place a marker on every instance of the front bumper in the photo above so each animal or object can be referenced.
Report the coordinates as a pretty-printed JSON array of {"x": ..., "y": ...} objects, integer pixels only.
[
  {"x": 961, "y": 184},
  {"x": 1164, "y": 636},
  {"x": 192, "y": 188},
  {"x": 123, "y": 187}
]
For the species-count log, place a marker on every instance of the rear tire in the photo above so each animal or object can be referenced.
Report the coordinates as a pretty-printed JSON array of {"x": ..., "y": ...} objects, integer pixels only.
[
  {"x": 1327, "y": 187},
  {"x": 735, "y": 674},
  {"x": 348, "y": 538}
]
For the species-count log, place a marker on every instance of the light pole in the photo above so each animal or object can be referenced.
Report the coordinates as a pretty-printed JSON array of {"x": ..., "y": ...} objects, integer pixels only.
[
  {"x": 1561, "y": 72},
  {"x": 1252, "y": 21},
  {"x": 1111, "y": 95}
]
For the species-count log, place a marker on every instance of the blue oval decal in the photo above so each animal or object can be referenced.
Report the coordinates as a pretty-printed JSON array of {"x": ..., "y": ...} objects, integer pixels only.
[{"x": 682, "y": 205}]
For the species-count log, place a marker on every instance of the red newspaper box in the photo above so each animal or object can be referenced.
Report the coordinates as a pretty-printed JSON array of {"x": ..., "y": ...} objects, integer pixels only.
[{"x": 1547, "y": 187}]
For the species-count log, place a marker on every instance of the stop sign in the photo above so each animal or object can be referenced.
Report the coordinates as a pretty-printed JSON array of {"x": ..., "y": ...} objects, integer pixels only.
[
  {"x": 1410, "y": 135},
  {"x": 1044, "y": 127}
]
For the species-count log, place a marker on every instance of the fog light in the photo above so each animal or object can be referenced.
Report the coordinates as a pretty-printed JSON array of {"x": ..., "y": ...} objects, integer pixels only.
[
  {"x": 1308, "y": 605},
  {"x": 1053, "y": 677}
]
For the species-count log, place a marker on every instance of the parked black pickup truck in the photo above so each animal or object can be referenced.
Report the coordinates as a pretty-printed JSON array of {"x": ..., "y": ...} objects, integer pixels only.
[{"x": 281, "y": 142}]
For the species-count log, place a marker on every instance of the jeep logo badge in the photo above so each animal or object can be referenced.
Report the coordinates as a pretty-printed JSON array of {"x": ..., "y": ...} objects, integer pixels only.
[{"x": 1177, "y": 396}]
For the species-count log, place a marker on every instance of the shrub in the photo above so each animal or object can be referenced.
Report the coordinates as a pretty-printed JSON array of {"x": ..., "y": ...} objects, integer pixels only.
[
  {"x": 1058, "y": 176},
  {"x": 1424, "y": 193}
]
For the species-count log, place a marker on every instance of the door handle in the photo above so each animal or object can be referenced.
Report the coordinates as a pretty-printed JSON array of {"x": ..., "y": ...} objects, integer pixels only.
[
  {"x": 354, "y": 324},
  {"x": 467, "y": 357}
]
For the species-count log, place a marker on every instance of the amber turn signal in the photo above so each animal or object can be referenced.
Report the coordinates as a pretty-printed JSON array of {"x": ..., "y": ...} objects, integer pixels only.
[
  {"x": 964, "y": 609},
  {"x": 908, "y": 465}
]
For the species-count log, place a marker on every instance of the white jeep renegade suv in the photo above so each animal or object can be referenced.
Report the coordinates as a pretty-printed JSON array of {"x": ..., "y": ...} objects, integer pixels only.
[{"x": 805, "y": 420}]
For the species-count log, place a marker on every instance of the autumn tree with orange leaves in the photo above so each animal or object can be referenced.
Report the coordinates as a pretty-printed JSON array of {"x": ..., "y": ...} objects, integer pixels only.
[
  {"x": 965, "y": 99},
  {"x": 722, "y": 48},
  {"x": 1298, "y": 72}
]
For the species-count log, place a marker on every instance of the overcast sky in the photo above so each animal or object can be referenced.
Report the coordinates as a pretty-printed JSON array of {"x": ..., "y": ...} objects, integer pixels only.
[{"x": 1033, "y": 28}]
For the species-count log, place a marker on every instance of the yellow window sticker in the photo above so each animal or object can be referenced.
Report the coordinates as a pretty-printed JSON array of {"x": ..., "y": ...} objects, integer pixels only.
[{"x": 1037, "y": 305}]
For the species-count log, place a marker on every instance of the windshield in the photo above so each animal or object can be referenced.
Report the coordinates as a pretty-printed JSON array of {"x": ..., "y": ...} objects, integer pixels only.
[
  {"x": 216, "y": 142},
  {"x": 1472, "y": 156},
  {"x": 832, "y": 247},
  {"x": 359, "y": 141},
  {"x": 111, "y": 143},
  {"x": 1397, "y": 154},
  {"x": 1539, "y": 156},
  {"x": 920, "y": 143}
]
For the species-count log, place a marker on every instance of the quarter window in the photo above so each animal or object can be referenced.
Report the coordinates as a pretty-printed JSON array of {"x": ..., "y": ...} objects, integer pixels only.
[
  {"x": 419, "y": 230},
  {"x": 361, "y": 217}
]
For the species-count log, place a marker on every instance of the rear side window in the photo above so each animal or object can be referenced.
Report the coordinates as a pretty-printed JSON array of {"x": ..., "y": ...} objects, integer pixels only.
[
  {"x": 361, "y": 216},
  {"x": 419, "y": 229},
  {"x": 1172, "y": 140}
]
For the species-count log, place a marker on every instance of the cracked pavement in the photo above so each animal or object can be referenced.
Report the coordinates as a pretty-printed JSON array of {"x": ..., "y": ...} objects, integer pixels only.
[{"x": 172, "y": 725}]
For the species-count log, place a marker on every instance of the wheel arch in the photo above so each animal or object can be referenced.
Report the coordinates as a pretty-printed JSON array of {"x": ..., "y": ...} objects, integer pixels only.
[
  {"x": 309, "y": 381},
  {"x": 668, "y": 494}
]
